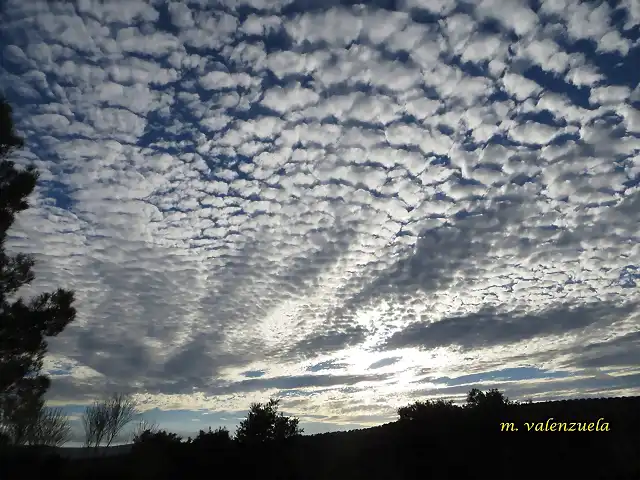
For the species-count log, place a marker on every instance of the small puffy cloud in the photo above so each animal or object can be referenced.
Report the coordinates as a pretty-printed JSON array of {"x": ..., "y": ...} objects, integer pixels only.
[
  {"x": 181, "y": 15},
  {"x": 516, "y": 15},
  {"x": 289, "y": 98},
  {"x": 612, "y": 94},
  {"x": 534, "y": 132},
  {"x": 520, "y": 87}
]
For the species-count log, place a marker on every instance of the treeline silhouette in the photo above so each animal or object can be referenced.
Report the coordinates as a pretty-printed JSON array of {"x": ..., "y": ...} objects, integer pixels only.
[{"x": 431, "y": 439}]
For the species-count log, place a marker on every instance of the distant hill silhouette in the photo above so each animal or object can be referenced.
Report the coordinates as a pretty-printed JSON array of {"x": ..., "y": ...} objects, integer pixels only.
[{"x": 82, "y": 452}]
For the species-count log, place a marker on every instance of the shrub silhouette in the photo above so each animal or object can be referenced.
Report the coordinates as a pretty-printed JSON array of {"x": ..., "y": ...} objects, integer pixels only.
[
  {"x": 156, "y": 440},
  {"x": 425, "y": 410},
  {"x": 491, "y": 400},
  {"x": 156, "y": 454},
  {"x": 264, "y": 425},
  {"x": 26, "y": 420},
  {"x": 212, "y": 439},
  {"x": 104, "y": 420},
  {"x": 142, "y": 426}
]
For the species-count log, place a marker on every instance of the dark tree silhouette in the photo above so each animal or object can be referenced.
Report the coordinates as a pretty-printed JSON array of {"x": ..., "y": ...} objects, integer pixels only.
[
  {"x": 24, "y": 324},
  {"x": 264, "y": 424},
  {"x": 52, "y": 428},
  {"x": 422, "y": 410},
  {"x": 143, "y": 426},
  {"x": 218, "y": 438},
  {"x": 155, "y": 451},
  {"x": 104, "y": 420},
  {"x": 26, "y": 421},
  {"x": 492, "y": 399},
  {"x": 9, "y": 140},
  {"x": 156, "y": 439}
]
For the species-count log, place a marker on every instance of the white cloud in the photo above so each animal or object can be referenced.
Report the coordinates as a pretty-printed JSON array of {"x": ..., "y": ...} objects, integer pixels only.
[
  {"x": 181, "y": 15},
  {"x": 223, "y": 80},
  {"x": 534, "y": 132},
  {"x": 439, "y": 7},
  {"x": 584, "y": 75},
  {"x": 520, "y": 87},
  {"x": 514, "y": 15},
  {"x": 633, "y": 13},
  {"x": 609, "y": 95},
  {"x": 118, "y": 11},
  {"x": 547, "y": 54},
  {"x": 632, "y": 118}
]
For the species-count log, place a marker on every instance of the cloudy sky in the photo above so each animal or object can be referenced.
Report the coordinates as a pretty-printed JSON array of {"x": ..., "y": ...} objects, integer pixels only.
[{"x": 347, "y": 206}]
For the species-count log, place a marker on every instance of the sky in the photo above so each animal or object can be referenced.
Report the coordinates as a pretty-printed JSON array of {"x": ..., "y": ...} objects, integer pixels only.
[{"x": 347, "y": 206}]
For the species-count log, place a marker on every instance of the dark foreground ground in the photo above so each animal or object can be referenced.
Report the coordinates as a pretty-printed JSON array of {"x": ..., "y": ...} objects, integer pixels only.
[{"x": 461, "y": 444}]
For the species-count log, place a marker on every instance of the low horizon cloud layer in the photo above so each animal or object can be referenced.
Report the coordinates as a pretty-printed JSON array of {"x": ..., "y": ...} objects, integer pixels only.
[{"x": 350, "y": 207}]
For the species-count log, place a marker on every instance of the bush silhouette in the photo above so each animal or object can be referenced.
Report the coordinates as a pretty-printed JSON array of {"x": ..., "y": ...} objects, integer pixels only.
[
  {"x": 429, "y": 409},
  {"x": 156, "y": 441},
  {"x": 265, "y": 425},
  {"x": 212, "y": 439},
  {"x": 491, "y": 400},
  {"x": 104, "y": 420}
]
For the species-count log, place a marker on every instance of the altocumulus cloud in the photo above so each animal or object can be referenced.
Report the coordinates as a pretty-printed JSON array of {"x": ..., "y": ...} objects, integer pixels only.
[{"x": 347, "y": 205}]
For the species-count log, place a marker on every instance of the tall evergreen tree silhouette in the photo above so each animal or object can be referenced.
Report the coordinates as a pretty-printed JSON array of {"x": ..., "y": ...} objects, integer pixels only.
[{"x": 24, "y": 323}]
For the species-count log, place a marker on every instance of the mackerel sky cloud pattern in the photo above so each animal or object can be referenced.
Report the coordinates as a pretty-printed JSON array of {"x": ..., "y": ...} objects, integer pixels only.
[{"x": 349, "y": 206}]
